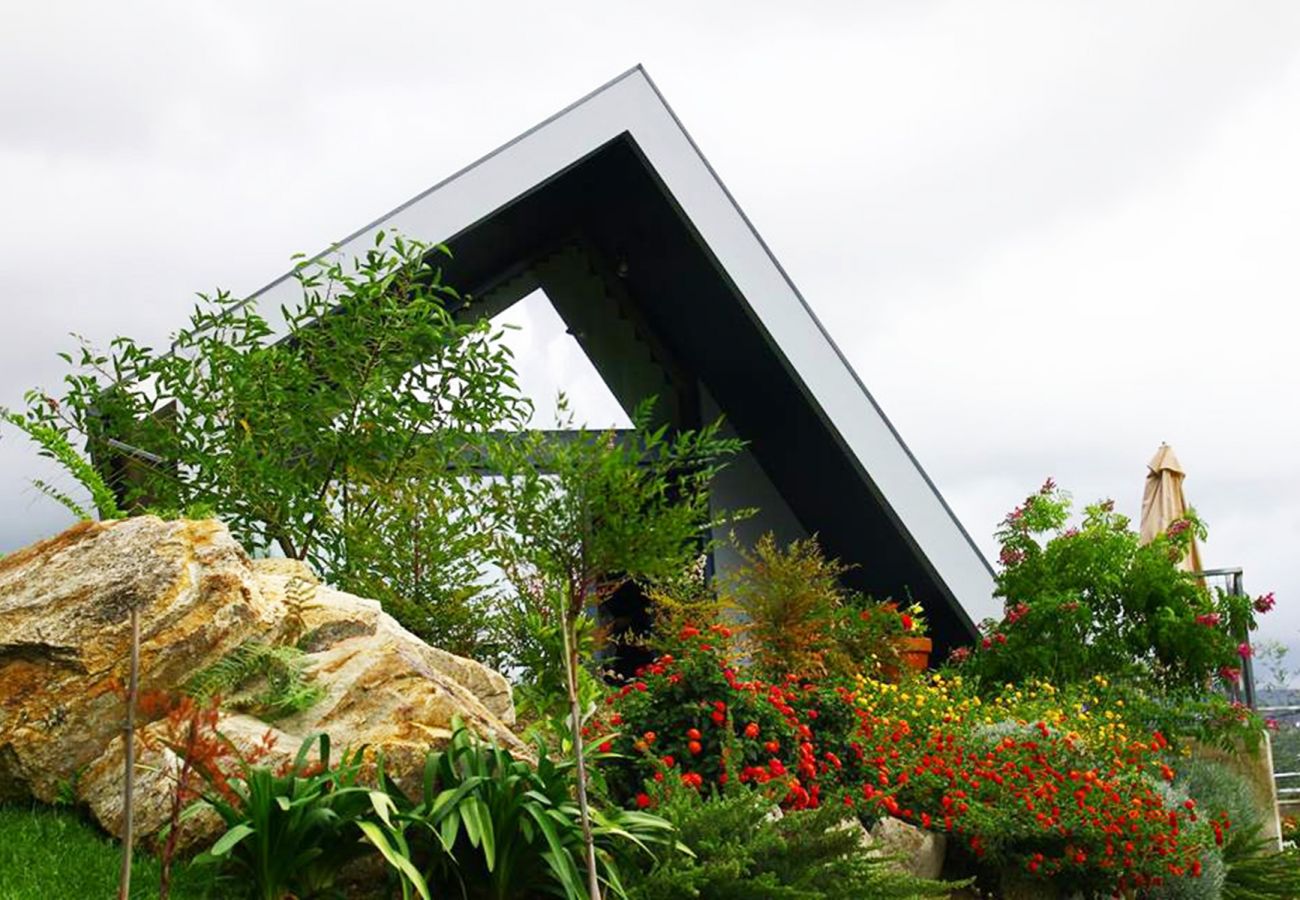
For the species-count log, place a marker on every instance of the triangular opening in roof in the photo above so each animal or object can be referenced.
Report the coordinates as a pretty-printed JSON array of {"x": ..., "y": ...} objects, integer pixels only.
[{"x": 549, "y": 361}]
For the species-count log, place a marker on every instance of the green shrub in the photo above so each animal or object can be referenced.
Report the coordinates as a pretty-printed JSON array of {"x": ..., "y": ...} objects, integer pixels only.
[
  {"x": 289, "y": 834},
  {"x": 1091, "y": 599},
  {"x": 488, "y": 825},
  {"x": 738, "y": 846},
  {"x": 1256, "y": 871}
]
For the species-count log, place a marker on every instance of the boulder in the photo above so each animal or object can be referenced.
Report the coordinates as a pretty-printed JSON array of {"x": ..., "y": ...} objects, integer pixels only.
[{"x": 64, "y": 651}]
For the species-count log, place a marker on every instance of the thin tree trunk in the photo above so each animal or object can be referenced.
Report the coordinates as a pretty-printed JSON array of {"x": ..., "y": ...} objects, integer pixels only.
[
  {"x": 128, "y": 745},
  {"x": 575, "y": 725}
]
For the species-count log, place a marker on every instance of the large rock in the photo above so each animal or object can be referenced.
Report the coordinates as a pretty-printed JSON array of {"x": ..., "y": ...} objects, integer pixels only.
[{"x": 64, "y": 649}]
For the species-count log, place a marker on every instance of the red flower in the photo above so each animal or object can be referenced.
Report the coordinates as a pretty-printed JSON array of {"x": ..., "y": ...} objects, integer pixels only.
[
  {"x": 751, "y": 730},
  {"x": 1244, "y": 651},
  {"x": 693, "y": 734},
  {"x": 695, "y": 747},
  {"x": 605, "y": 747},
  {"x": 907, "y": 621},
  {"x": 643, "y": 801},
  {"x": 1265, "y": 602}
]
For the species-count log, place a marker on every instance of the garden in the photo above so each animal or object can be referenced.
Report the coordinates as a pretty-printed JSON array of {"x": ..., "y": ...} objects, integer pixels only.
[{"x": 768, "y": 734}]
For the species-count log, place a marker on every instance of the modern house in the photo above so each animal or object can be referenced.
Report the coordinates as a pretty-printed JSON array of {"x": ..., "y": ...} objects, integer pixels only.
[{"x": 610, "y": 209}]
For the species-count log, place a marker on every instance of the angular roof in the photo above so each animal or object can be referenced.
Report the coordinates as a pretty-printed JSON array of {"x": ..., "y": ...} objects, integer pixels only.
[{"x": 614, "y": 185}]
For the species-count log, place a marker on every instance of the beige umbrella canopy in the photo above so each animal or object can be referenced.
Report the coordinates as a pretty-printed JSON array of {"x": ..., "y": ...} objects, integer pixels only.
[{"x": 1163, "y": 502}]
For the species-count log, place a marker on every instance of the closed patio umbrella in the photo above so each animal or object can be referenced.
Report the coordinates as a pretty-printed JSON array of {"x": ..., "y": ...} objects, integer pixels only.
[{"x": 1163, "y": 502}]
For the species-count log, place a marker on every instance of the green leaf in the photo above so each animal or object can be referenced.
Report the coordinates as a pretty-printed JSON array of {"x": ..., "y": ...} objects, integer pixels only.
[{"x": 227, "y": 841}]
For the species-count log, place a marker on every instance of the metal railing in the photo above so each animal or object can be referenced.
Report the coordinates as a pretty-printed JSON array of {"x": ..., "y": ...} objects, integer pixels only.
[{"x": 1230, "y": 580}]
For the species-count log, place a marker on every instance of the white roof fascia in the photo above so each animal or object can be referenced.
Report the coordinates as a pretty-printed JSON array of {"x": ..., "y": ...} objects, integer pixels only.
[{"x": 631, "y": 103}]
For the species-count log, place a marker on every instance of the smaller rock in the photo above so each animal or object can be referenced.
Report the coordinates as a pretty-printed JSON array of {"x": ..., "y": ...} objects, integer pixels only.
[{"x": 917, "y": 851}]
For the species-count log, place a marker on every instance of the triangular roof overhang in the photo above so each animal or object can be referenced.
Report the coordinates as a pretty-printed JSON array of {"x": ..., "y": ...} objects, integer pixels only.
[{"x": 584, "y": 179}]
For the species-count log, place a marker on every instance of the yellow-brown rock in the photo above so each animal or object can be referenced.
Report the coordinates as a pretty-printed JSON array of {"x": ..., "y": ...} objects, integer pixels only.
[{"x": 65, "y": 638}]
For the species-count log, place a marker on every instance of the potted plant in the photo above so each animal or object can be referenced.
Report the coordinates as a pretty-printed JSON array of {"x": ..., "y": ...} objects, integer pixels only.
[{"x": 914, "y": 645}]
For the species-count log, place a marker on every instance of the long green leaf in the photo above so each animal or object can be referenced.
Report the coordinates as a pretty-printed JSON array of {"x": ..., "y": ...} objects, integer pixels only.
[
  {"x": 227, "y": 841},
  {"x": 398, "y": 860}
]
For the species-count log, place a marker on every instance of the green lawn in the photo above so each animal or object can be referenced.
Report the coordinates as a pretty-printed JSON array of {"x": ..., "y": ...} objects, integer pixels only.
[{"x": 48, "y": 852}]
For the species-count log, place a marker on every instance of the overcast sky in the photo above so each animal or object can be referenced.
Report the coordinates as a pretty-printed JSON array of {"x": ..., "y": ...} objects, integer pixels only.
[{"x": 1047, "y": 235}]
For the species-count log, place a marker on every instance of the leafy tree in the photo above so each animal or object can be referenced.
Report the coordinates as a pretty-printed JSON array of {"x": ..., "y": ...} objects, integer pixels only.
[
  {"x": 346, "y": 432},
  {"x": 1090, "y": 600},
  {"x": 589, "y": 513}
]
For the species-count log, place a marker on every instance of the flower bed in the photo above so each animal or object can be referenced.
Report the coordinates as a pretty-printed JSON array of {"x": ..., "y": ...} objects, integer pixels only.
[{"x": 1059, "y": 787}]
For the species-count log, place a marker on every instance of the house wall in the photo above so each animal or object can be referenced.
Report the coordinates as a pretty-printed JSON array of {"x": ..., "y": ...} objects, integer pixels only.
[{"x": 744, "y": 484}]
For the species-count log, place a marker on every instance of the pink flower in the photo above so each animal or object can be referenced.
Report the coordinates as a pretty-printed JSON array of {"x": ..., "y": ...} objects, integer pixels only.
[
  {"x": 1265, "y": 602},
  {"x": 1230, "y": 673},
  {"x": 1244, "y": 651},
  {"x": 1209, "y": 620}
]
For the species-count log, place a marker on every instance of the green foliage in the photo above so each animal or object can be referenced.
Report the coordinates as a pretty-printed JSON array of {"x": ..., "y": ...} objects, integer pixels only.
[
  {"x": 54, "y": 444},
  {"x": 344, "y": 429},
  {"x": 492, "y": 826},
  {"x": 533, "y": 631},
  {"x": 738, "y": 845},
  {"x": 1090, "y": 600},
  {"x": 591, "y": 512},
  {"x": 48, "y": 853},
  {"x": 787, "y": 598},
  {"x": 289, "y": 834},
  {"x": 588, "y": 514},
  {"x": 265, "y": 680},
  {"x": 1217, "y": 787},
  {"x": 1256, "y": 871}
]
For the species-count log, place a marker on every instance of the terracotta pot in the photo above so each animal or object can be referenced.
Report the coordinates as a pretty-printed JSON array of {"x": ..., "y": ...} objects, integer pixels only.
[{"x": 915, "y": 653}]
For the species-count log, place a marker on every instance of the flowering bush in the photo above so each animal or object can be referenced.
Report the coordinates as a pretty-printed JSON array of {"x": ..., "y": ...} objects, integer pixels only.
[
  {"x": 1031, "y": 778},
  {"x": 1088, "y": 600},
  {"x": 690, "y": 716}
]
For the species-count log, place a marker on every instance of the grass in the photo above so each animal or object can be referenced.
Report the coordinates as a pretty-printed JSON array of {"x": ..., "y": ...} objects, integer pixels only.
[{"x": 48, "y": 852}]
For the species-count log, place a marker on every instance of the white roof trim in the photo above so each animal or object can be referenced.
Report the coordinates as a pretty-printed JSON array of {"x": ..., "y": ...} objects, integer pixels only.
[{"x": 631, "y": 103}]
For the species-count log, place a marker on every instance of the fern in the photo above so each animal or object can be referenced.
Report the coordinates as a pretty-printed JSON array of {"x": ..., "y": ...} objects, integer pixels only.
[
  {"x": 260, "y": 679},
  {"x": 298, "y": 596},
  {"x": 55, "y": 445},
  {"x": 62, "y": 498}
]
